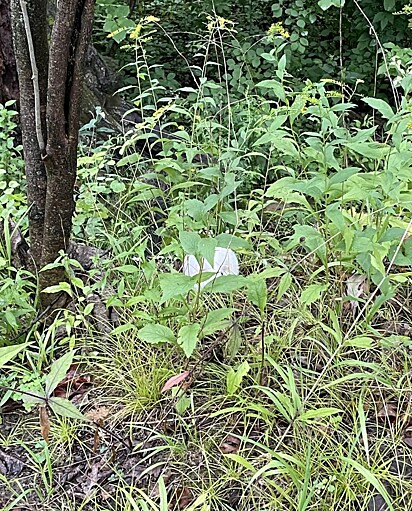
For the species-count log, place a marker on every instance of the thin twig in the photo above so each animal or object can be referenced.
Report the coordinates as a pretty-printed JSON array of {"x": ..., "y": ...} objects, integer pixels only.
[{"x": 35, "y": 76}]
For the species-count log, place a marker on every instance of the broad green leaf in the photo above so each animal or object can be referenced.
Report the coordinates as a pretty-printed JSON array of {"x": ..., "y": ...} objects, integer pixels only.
[
  {"x": 188, "y": 338},
  {"x": 343, "y": 175},
  {"x": 284, "y": 284},
  {"x": 257, "y": 293},
  {"x": 287, "y": 146},
  {"x": 123, "y": 328},
  {"x": 190, "y": 242},
  {"x": 9, "y": 352},
  {"x": 297, "y": 107},
  {"x": 325, "y": 4},
  {"x": 334, "y": 214},
  {"x": 64, "y": 408},
  {"x": 217, "y": 319},
  {"x": 128, "y": 268},
  {"x": 175, "y": 284},
  {"x": 234, "y": 343},
  {"x": 62, "y": 286},
  {"x": 206, "y": 249},
  {"x": 360, "y": 341},
  {"x": 182, "y": 404},
  {"x": 156, "y": 334},
  {"x": 58, "y": 371},
  {"x": 117, "y": 186},
  {"x": 225, "y": 240},
  {"x": 195, "y": 208},
  {"x": 275, "y": 86},
  {"x": 312, "y": 293},
  {"x": 381, "y": 106},
  {"x": 389, "y": 5},
  {"x": 235, "y": 376},
  {"x": 373, "y": 150},
  {"x": 225, "y": 284},
  {"x": 34, "y": 397}
]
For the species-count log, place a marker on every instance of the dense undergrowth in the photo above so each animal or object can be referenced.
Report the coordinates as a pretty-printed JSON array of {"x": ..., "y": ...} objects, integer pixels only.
[{"x": 294, "y": 388}]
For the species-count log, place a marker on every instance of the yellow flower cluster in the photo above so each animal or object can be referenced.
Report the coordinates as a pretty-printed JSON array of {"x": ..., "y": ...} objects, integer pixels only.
[
  {"x": 219, "y": 23},
  {"x": 135, "y": 33},
  {"x": 277, "y": 29}
]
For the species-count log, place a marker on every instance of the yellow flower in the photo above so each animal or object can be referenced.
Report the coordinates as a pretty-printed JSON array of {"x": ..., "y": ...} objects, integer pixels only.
[
  {"x": 151, "y": 19},
  {"x": 219, "y": 22},
  {"x": 135, "y": 33},
  {"x": 277, "y": 29}
]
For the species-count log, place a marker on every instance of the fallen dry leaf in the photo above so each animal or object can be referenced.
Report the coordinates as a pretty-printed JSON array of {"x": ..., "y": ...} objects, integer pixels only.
[
  {"x": 175, "y": 380},
  {"x": 389, "y": 412},
  {"x": 230, "y": 445},
  {"x": 44, "y": 423},
  {"x": 356, "y": 286},
  {"x": 181, "y": 499},
  {"x": 98, "y": 414},
  {"x": 73, "y": 384}
]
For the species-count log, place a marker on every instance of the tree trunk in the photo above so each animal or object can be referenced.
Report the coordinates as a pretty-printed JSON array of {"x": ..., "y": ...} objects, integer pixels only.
[
  {"x": 34, "y": 166},
  {"x": 9, "y": 86},
  {"x": 50, "y": 89}
]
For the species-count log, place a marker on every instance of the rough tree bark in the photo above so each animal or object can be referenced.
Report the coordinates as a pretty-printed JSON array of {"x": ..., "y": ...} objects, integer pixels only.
[
  {"x": 50, "y": 121},
  {"x": 9, "y": 87}
]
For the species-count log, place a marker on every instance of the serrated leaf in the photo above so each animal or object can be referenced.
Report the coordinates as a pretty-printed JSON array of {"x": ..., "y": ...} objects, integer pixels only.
[
  {"x": 188, "y": 338},
  {"x": 64, "y": 408},
  {"x": 9, "y": 352},
  {"x": 312, "y": 293},
  {"x": 156, "y": 334},
  {"x": 190, "y": 242},
  {"x": 225, "y": 284},
  {"x": 174, "y": 285},
  {"x": 58, "y": 371},
  {"x": 207, "y": 249},
  {"x": 257, "y": 293}
]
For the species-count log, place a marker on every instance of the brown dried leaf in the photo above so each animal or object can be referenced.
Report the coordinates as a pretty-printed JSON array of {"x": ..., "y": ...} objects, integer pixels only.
[
  {"x": 44, "y": 423},
  {"x": 230, "y": 445},
  {"x": 181, "y": 499},
  {"x": 98, "y": 414},
  {"x": 356, "y": 286},
  {"x": 73, "y": 384},
  {"x": 388, "y": 411}
]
